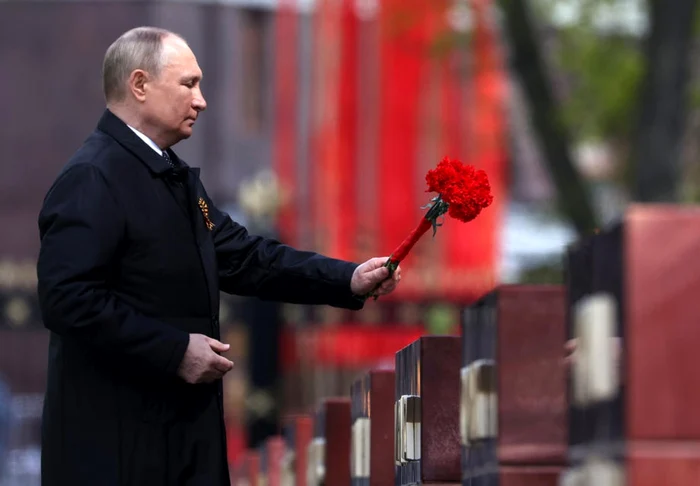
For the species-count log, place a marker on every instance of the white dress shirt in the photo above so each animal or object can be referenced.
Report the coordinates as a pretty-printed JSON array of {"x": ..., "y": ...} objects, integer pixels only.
[{"x": 147, "y": 140}]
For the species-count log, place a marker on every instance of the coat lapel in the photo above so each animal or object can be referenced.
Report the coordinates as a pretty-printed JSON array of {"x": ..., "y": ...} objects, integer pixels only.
[
  {"x": 180, "y": 176},
  {"x": 157, "y": 165},
  {"x": 202, "y": 227},
  {"x": 119, "y": 131}
]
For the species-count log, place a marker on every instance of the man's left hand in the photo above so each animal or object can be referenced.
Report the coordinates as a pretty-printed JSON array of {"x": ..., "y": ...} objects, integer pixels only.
[{"x": 372, "y": 273}]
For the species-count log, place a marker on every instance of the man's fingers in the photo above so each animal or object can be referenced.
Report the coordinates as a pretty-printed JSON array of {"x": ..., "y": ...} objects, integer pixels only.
[
  {"x": 378, "y": 262},
  {"x": 222, "y": 364},
  {"x": 389, "y": 284},
  {"x": 378, "y": 274},
  {"x": 217, "y": 346}
]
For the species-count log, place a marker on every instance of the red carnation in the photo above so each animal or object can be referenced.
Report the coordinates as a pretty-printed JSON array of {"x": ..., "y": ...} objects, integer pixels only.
[
  {"x": 465, "y": 189},
  {"x": 462, "y": 192}
]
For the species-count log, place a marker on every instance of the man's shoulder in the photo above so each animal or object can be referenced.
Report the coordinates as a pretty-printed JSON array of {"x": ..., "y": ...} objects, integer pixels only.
[
  {"x": 99, "y": 157},
  {"x": 103, "y": 153}
]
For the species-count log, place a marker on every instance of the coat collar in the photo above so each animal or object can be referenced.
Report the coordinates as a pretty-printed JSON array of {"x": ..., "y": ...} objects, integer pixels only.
[{"x": 114, "y": 127}]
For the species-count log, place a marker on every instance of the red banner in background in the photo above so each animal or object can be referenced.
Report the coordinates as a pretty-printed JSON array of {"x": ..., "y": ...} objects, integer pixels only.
[
  {"x": 368, "y": 122},
  {"x": 394, "y": 89},
  {"x": 286, "y": 106},
  {"x": 404, "y": 40},
  {"x": 347, "y": 209},
  {"x": 325, "y": 127},
  {"x": 466, "y": 120},
  {"x": 472, "y": 250}
]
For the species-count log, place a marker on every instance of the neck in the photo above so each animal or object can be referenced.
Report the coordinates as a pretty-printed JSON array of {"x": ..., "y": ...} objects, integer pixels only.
[{"x": 133, "y": 119}]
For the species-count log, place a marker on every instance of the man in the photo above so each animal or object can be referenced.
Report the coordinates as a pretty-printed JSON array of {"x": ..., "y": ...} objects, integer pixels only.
[{"x": 133, "y": 256}]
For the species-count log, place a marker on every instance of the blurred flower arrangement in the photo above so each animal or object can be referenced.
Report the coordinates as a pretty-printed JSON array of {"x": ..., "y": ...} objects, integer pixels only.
[{"x": 261, "y": 197}]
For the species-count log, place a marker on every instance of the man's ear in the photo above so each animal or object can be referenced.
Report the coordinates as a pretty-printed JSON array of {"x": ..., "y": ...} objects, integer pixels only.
[{"x": 137, "y": 83}]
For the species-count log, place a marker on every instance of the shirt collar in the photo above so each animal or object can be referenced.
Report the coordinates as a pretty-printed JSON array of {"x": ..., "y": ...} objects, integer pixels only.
[{"x": 147, "y": 140}]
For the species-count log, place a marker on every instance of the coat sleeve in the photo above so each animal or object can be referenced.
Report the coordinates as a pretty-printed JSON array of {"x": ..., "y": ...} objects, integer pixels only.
[
  {"x": 81, "y": 228},
  {"x": 265, "y": 268}
]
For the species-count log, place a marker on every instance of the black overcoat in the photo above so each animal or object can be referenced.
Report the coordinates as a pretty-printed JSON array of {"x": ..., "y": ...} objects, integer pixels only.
[{"x": 128, "y": 267}]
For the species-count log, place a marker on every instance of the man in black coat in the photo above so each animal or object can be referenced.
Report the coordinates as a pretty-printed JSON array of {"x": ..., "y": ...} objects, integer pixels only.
[{"x": 133, "y": 256}]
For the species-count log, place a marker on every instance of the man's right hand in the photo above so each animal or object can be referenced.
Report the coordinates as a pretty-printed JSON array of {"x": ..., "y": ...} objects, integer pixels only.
[{"x": 201, "y": 363}]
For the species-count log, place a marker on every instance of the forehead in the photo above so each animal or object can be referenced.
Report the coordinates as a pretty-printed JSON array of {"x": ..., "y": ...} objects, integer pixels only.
[{"x": 179, "y": 58}]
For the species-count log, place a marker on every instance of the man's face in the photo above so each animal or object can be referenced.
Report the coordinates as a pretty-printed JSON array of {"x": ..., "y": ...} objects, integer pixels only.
[{"x": 174, "y": 99}]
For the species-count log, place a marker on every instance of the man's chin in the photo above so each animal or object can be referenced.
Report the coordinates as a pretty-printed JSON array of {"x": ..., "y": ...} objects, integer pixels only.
[{"x": 185, "y": 133}]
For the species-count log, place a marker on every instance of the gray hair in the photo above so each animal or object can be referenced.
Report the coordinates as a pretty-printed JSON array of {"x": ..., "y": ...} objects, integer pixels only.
[{"x": 139, "y": 48}]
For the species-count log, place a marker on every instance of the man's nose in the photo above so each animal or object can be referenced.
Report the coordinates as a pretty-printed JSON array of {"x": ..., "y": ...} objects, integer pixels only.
[{"x": 198, "y": 102}]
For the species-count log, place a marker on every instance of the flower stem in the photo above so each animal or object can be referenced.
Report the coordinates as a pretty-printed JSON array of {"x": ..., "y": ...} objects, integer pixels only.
[
  {"x": 437, "y": 209},
  {"x": 402, "y": 251}
]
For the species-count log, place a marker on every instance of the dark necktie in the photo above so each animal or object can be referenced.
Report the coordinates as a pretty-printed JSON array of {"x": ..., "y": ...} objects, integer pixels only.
[
  {"x": 178, "y": 173},
  {"x": 169, "y": 160}
]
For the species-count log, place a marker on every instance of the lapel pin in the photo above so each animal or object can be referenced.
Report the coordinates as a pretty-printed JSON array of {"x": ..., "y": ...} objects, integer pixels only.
[{"x": 205, "y": 212}]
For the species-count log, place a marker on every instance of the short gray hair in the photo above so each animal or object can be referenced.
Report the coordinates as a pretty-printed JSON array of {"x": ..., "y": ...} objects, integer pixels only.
[{"x": 139, "y": 48}]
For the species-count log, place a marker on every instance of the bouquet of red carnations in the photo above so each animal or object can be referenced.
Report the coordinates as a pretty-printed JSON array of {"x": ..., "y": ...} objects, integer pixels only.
[{"x": 462, "y": 192}]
